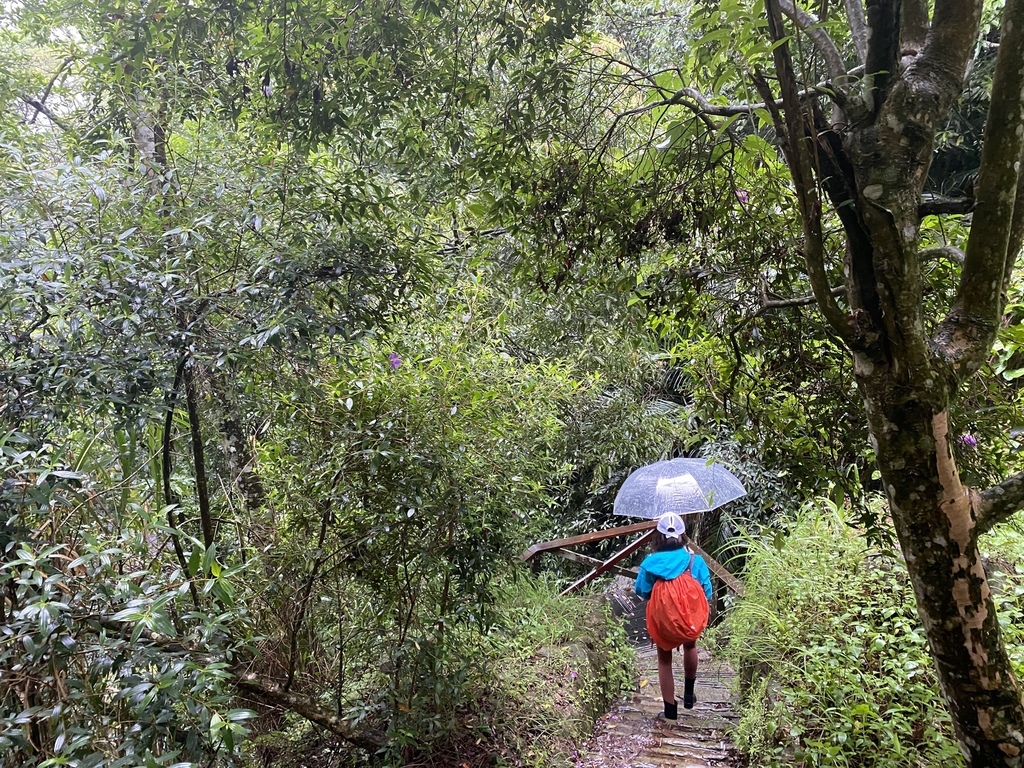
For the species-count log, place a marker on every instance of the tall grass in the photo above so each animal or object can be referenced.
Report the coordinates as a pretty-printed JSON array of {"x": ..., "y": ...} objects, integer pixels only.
[{"x": 830, "y": 649}]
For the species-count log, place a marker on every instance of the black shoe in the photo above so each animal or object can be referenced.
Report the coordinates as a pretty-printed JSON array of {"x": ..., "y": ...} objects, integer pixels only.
[{"x": 671, "y": 711}]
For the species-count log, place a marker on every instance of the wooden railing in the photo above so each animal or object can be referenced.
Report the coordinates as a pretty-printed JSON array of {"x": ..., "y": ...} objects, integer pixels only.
[{"x": 560, "y": 547}]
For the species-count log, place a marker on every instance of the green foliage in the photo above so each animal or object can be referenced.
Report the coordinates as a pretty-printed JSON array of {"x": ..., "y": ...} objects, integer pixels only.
[
  {"x": 529, "y": 688},
  {"x": 433, "y": 306},
  {"x": 403, "y": 476},
  {"x": 835, "y": 676},
  {"x": 1004, "y": 555},
  {"x": 99, "y": 648}
]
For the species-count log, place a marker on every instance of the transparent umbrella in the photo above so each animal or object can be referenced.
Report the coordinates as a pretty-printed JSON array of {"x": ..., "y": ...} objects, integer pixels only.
[{"x": 677, "y": 485}]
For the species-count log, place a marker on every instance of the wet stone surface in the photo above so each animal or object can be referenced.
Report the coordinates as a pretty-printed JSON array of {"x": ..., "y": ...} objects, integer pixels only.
[{"x": 631, "y": 736}]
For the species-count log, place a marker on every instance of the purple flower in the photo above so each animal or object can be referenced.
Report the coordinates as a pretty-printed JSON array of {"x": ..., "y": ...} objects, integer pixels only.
[
  {"x": 573, "y": 675},
  {"x": 742, "y": 195},
  {"x": 968, "y": 441},
  {"x": 394, "y": 360}
]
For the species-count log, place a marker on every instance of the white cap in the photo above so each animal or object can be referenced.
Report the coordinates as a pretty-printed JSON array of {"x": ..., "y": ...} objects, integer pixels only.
[{"x": 671, "y": 525}]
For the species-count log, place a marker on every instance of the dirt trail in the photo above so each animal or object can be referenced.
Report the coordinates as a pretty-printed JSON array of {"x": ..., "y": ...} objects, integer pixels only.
[{"x": 630, "y": 736}]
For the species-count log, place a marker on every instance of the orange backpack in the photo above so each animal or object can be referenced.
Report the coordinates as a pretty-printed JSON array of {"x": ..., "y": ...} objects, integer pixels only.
[{"x": 678, "y": 611}]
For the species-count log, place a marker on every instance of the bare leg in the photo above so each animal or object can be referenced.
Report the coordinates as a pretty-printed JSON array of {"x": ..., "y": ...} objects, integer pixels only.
[
  {"x": 690, "y": 660},
  {"x": 665, "y": 677},
  {"x": 690, "y": 673}
]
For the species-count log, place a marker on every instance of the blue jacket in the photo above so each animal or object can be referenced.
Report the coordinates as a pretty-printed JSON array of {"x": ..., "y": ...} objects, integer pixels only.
[{"x": 667, "y": 565}]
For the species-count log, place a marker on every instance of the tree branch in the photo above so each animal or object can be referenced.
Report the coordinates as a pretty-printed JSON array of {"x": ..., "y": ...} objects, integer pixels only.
[
  {"x": 170, "y": 497},
  {"x": 314, "y": 571},
  {"x": 858, "y": 28},
  {"x": 798, "y": 158},
  {"x": 950, "y": 252},
  {"x": 698, "y": 103},
  {"x": 949, "y": 44},
  {"x": 274, "y": 694},
  {"x": 913, "y": 26},
  {"x": 796, "y": 301},
  {"x": 251, "y": 684},
  {"x": 810, "y": 26},
  {"x": 933, "y": 205},
  {"x": 967, "y": 333},
  {"x": 46, "y": 94},
  {"x": 1016, "y": 227},
  {"x": 38, "y": 106},
  {"x": 881, "y": 59},
  {"x": 1000, "y": 502},
  {"x": 202, "y": 485}
]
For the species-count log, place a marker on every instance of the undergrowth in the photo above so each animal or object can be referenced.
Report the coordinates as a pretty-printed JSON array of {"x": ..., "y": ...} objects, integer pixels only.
[
  {"x": 554, "y": 664},
  {"x": 533, "y": 686},
  {"x": 833, "y": 659}
]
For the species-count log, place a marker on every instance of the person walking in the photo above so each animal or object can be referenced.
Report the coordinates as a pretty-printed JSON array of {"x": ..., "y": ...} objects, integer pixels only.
[{"x": 677, "y": 585}]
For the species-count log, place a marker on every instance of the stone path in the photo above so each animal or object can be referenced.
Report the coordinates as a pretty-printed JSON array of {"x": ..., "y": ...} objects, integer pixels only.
[{"x": 630, "y": 736}]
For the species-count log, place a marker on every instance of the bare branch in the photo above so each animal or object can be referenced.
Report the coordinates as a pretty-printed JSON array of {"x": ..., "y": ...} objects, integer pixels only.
[
  {"x": 251, "y": 684},
  {"x": 698, "y": 103},
  {"x": 933, "y": 205},
  {"x": 858, "y": 27},
  {"x": 950, "y": 252},
  {"x": 796, "y": 301},
  {"x": 999, "y": 502},
  {"x": 690, "y": 98},
  {"x": 809, "y": 25},
  {"x": 300, "y": 705},
  {"x": 49, "y": 88},
  {"x": 40, "y": 107}
]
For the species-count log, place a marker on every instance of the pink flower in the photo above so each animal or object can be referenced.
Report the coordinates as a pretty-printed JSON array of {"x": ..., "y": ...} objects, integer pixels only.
[{"x": 742, "y": 195}]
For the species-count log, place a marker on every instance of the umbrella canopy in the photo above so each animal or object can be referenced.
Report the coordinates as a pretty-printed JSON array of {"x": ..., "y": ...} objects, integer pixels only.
[{"x": 677, "y": 485}]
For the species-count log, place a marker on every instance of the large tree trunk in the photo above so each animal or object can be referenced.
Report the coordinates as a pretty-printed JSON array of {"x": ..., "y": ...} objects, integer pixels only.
[{"x": 934, "y": 517}]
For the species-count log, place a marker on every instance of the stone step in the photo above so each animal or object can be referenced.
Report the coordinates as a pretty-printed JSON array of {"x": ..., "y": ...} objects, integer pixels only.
[{"x": 631, "y": 736}]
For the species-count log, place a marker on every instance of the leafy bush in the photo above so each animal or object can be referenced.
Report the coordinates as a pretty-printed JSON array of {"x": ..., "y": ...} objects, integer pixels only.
[
  {"x": 103, "y": 662},
  {"x": 830, "y": 649}
]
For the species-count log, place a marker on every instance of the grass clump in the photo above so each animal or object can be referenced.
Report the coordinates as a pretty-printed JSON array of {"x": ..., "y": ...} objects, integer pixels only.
[
  {"x": 552, "y": 666},
  {"x": 831, "y": 654}
]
